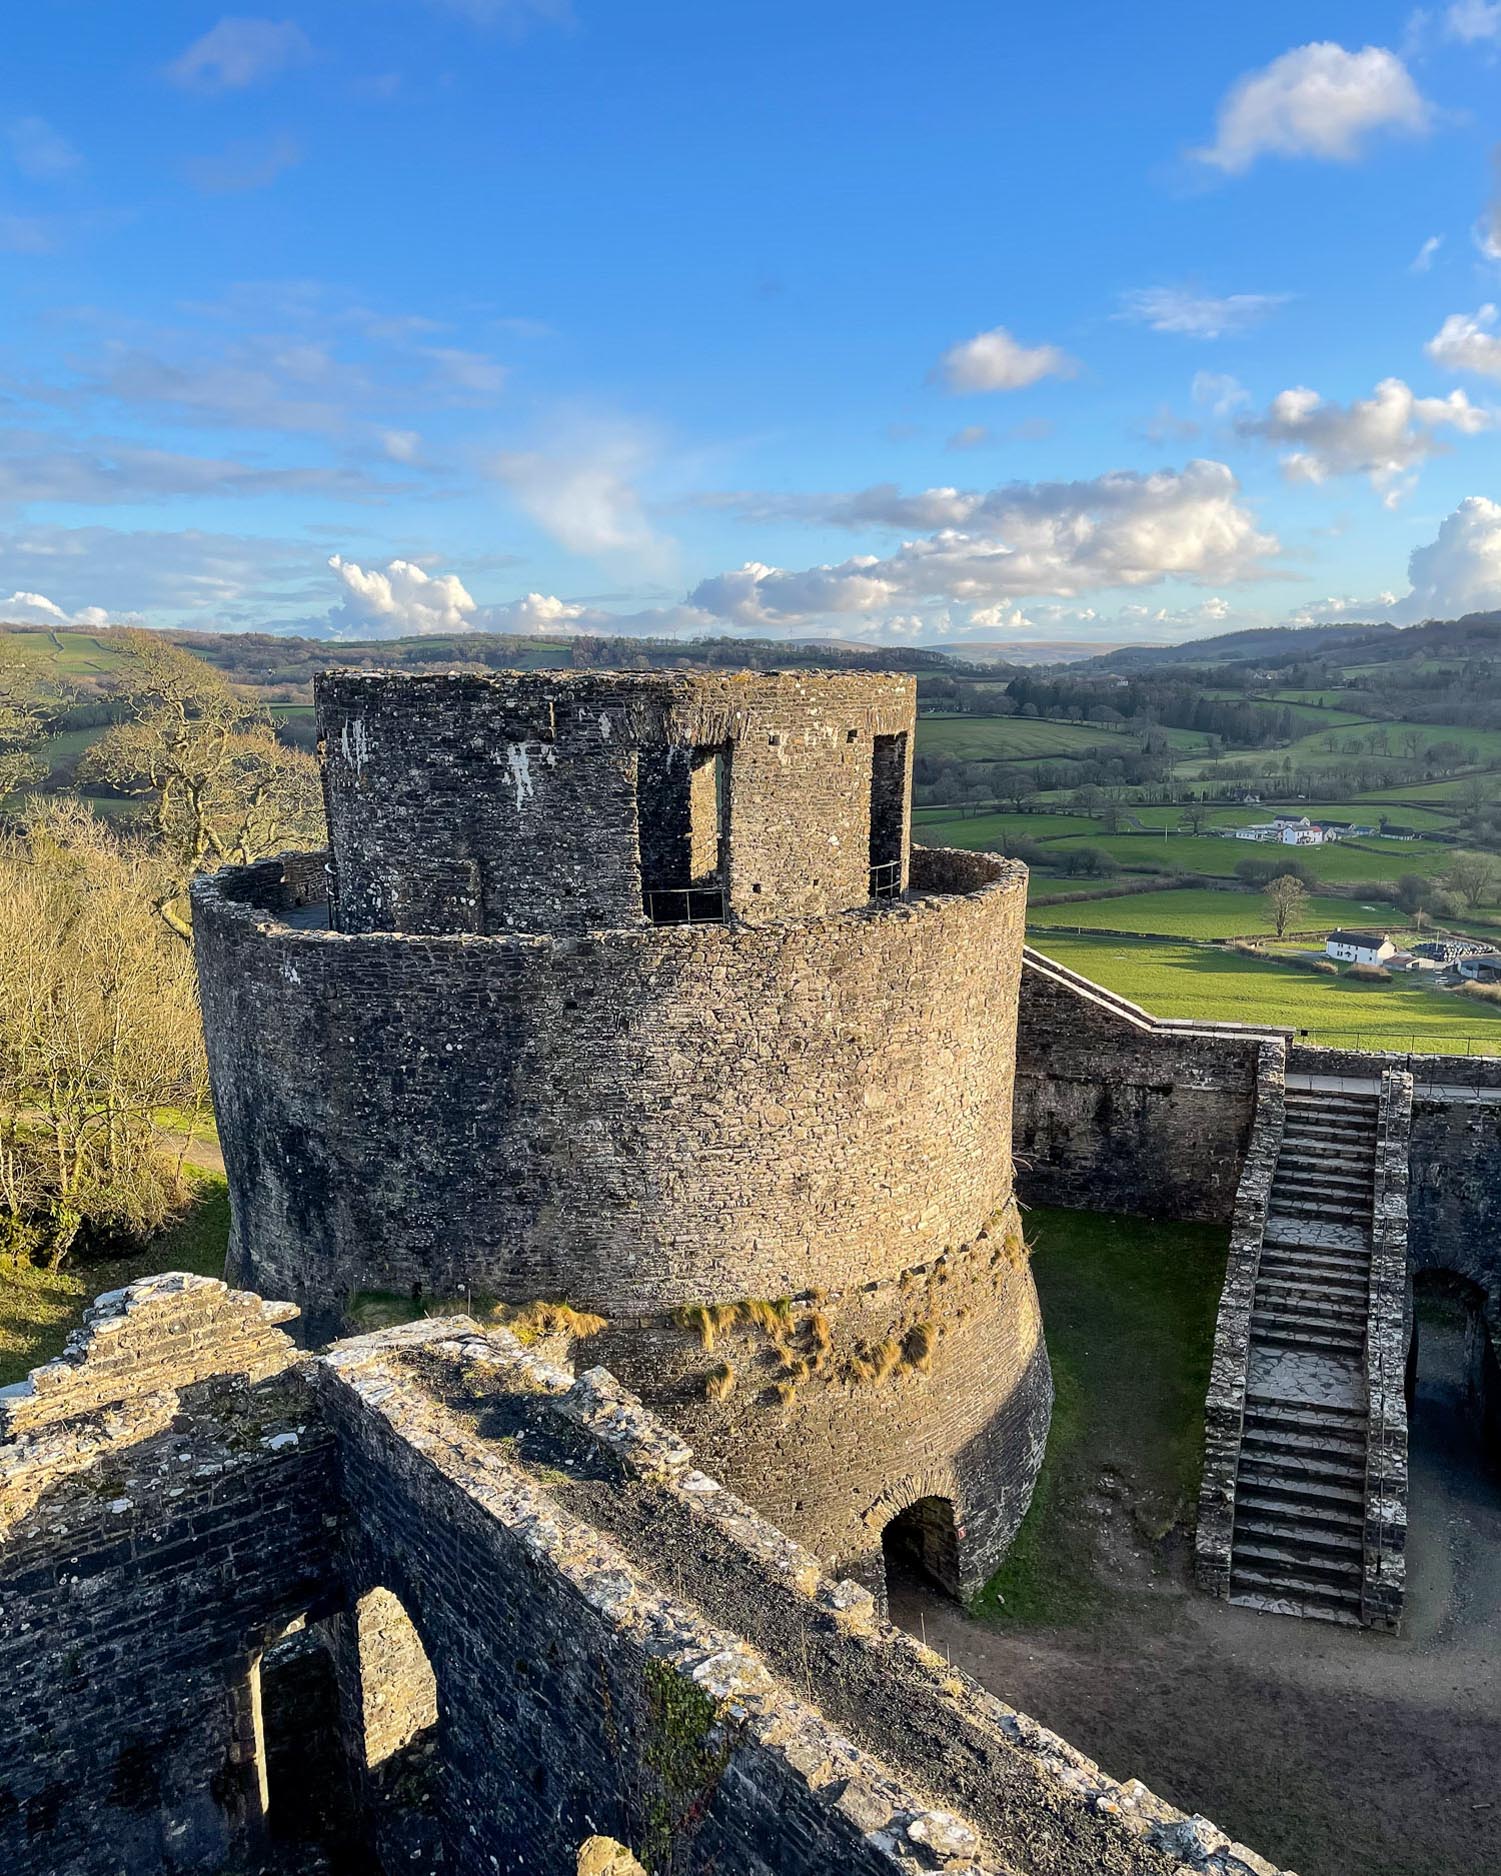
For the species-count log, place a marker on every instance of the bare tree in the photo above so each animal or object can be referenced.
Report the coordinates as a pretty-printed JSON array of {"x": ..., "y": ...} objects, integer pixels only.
[
  {"x": 99, "y": 1033},
  {"x": 223, "y": 791},
  {"x": 1287, "y": 897},
  {"x": 1474, "y": 877},
  {"x": 28, "y": 693}
]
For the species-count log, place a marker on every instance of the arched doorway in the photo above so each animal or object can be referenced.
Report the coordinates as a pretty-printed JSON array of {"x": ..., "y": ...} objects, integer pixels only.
[
  {"x": 921, "y": 1542},
  {"x": 1452, "y": 1370}
]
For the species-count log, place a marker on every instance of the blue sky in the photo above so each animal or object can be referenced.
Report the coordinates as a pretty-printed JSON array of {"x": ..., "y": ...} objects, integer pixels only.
[{"x": 831, "y": 318}]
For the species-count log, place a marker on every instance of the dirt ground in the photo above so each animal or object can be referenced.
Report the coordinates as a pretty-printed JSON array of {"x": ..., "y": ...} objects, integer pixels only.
[{"x": 1333, "y": 1751}]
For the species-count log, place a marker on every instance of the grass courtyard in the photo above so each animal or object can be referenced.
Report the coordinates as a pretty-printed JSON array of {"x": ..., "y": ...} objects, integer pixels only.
[{"x": 1128, "y": 1307}]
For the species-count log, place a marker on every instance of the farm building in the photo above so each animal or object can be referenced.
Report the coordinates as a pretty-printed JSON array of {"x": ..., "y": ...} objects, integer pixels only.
[{"x": 1359, "y": 947}]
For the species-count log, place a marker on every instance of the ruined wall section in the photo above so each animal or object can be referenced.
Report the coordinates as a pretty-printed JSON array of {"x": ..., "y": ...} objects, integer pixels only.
[
  {"x": 633, "y": 1120},
  {"x": 471, "y": 803},
  {"x": 1119, "y": 1111},
  {"x": 691, "y": 1682},
  {"x": 164, "y": 1490}
]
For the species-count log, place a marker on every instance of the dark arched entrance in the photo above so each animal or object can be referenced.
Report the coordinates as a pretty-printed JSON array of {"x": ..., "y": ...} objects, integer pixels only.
[
  {"x": 922, "y": 1542},
  {"x": 1451, "y": 1364}
]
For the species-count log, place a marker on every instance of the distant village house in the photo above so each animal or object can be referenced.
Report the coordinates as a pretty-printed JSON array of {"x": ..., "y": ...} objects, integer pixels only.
[{"x": 1359, "y": 947}]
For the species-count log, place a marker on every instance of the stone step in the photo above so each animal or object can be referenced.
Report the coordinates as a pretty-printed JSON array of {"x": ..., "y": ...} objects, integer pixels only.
[
  {"x": 1329, "y": 1101},
  {"x": 1317, "y": 1211},
  {"x": 1344, "y": 1142},
  {"x": 1296, "y": 1511},
  {"x": 1305, "y": 1340},
  {"x": 1315, "y": 1257},
  {"x": 1344, "y": 1287},
  {"x": 1280, "y": 1481},
  {"x": 1291, "y": 1595},
  {"x": 1341, "y": 1426},
  {"x": 1297, "y": 1172},
  {"x": 1293, "y": 1450},
  {"x": 1282, "y": 1303},
  {"x": 1317, "y": 1549},
  {"x": 1293, "y": 1559}
]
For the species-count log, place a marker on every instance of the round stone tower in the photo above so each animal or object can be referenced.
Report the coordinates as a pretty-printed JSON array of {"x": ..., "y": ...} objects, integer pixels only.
[{"x": 627, "y": 992}]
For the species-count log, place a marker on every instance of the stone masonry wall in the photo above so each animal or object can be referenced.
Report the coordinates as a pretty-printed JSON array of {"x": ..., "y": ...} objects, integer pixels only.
[
  {"x": 631, "y": 1120},
  {"x": 1120, "y": 1111},
  {"x": 617, "y": 1644},
  {"x": 486, "y": 804},
  {"x": 164, "y": 1491}
]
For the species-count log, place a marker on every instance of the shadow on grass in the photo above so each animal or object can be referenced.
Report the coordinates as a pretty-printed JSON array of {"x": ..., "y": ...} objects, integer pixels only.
[{"x": 1128, "y": 1308}]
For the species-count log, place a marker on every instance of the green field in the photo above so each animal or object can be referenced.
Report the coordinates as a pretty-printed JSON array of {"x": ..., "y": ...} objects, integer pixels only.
[
  {"x": 947, "y": 827},
  {"x": 74, "y": 654},
  {"x": 1012, "y": 739},
  {"x": 1213, "y": 985},
  {"x": 1196, "y": 913}
]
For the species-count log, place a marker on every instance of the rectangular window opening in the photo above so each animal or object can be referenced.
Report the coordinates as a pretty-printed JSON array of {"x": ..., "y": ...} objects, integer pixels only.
[
  {"x": 683, "y": 813},
  {"x": 888, "y": 814}
]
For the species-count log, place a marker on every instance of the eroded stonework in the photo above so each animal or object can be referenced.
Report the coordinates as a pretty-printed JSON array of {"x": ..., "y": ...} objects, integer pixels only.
[{"x": 627, "y": 992}]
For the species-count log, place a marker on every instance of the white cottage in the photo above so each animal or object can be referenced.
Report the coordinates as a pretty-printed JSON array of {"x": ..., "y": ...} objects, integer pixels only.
[{"x": 1359, "y": 947}]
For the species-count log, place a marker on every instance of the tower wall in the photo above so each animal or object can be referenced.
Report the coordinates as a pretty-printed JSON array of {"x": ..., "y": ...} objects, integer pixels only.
[
  {"x": 772, "y": 1152},
  {"x": 489, "y": 804}
]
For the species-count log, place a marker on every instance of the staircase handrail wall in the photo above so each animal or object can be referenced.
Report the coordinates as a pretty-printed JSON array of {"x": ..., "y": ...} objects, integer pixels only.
[
  {"x": 1225, "y": 1404},
  {"x": 1384, "y": 1569}
]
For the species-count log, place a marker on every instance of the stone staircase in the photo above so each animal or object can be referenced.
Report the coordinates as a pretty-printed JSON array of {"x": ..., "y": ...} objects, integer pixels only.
[{"x": 1298, "y": 1539}]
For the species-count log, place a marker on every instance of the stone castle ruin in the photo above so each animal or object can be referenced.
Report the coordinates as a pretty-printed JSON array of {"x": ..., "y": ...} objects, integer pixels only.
[
  {"x": 628, "y": 994},
  {"x": 621, "y": 1011}
]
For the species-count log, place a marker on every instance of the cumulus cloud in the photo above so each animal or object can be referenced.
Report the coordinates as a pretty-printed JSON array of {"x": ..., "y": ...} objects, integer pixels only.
[
  {"x": 1343, "y": 609},
  {"x": 1386, "y": 436},
  {"x": 1423, "y": 259},
  {"x": 584, "y": 493},
  {"x": 239, "y": 52},
  {"x": 1468, "y": 342},
  {"x": 39, "y": 151},
  {"x": 1473, "y": 21},
  {"x": 402, "y": 602},
  {"x": 37, "y": 609},
  {"x": 1318, "y": 101},
  {"x": 1460, "y": 570},
  {"x": 994, "y": 361},
  {"x": 1122, "y": 529},
  {"x": 1198, "y": 315}
]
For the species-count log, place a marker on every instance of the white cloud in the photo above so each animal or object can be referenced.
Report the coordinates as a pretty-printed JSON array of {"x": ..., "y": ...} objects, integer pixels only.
[
  {"x": 1468, "y": 342},
  {"x": 994, "y": 361},
  {"x": 239, "y": 52},
  {"x": 37, "y": 609},
  {"x": 39, "y": 151},
  {"x": 1488, "y": 228},
  {"x": 1343, "y": 610},
  {"x": 1317, "y": 100},
  {"x": 972, "y": 436},
  {"x": 254, "y": 164},
  {"x": 399, "y": 603},
  {"x": 540, "y": 612},
  {"x": 1198, "y": 315},
  {"x": 1460, "y": 570},
  {"x": 1122, "y": 529},
  {"x": 583, "y": 492},
  {"x": 1471, "y": 21},
  {"x": 1423, "y": 259},
  {"x": 37, "y": 467},
  {"x": 1386, "y": 436},
  {"x": 1218, "y": 392}
]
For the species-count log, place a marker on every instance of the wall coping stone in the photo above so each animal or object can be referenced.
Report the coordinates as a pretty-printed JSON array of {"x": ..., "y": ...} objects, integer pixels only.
[{"x": 1225, "y": 1404}]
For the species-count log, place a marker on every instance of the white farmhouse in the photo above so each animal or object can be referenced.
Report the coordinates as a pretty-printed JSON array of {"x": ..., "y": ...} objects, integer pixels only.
[
  {"x": 1290, "y": 831},
  {"x": 1359, "y": 947}
]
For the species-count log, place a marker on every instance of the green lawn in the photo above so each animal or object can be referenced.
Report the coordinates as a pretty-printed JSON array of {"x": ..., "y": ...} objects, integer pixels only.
[
  {"x": 40, "y": 1309},
  {"x": 947, "y": 827},
  {"x": 991, "y": 739},
  {"x": 1338, "y": 863},
  {"x": 74, "y": 654},
  {"x": 1213, "y": 985},
  {"x": 1128, "y": 1308},
  {"x": 1196, "y": 913}
]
